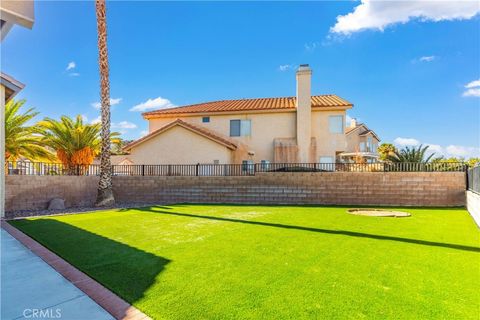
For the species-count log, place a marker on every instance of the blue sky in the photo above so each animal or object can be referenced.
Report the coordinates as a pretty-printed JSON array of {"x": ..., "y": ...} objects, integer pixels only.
[{"x": 406, "y": 72}]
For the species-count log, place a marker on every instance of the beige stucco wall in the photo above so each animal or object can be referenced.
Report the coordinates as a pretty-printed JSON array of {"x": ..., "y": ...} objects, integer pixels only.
[
  {"x": 327, "y": 143},
  {"x": 179, "y": 146},
  {"x": 265, "y": 128}
]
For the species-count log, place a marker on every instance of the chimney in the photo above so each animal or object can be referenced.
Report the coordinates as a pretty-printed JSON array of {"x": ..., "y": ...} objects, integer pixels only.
[
  {"x": 353, "y": 123},
  {"x": 304, "y": 112}
]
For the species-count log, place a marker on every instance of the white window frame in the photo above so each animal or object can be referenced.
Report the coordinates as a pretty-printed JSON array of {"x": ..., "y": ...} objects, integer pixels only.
[{"x": 330, "y": 124}]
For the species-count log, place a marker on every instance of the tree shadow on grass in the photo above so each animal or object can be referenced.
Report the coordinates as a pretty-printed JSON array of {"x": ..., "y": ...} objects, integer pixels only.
[
  {"x": 310, "y": 229},
  {"x": 123, "y": 269}
]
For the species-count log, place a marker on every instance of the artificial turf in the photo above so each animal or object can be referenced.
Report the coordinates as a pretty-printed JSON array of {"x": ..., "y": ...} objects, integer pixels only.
[{"x": 275, "y": 262}]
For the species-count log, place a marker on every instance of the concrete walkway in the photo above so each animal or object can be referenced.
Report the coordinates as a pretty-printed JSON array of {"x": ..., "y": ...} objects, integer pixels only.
[{"x": 31, "y": 289}]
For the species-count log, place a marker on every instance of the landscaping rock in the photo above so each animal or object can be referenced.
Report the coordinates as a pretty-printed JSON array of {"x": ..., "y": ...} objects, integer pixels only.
[{"x": 56, "y": 204}]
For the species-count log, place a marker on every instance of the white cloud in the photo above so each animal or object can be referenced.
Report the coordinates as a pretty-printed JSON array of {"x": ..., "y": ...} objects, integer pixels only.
[
  {"x": 124, "y": 125},
  {"x": 71, "y": 65},
  {"x": 427, "y": 58},
  {"x": 378, "y": 15},
  {"x": 74, "y": 74},
  {"x": 157, "y": 103},
  {"x": 285, "y": 67},
  {"x": 96, "y": 120},
  {"x": 113, "y": 101},
  {"x": 473, "y": 89},
  {"x": 406, "y": 141},
  {"x": 445, "y": 151},
  {"x": 311, "y": 46},
  {"x": 143, "y": 133}
]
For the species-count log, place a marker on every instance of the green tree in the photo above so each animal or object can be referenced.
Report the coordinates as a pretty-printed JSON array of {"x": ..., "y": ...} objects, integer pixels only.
[
  {"x": 385, "y": 150},
  {"x": 22, "y": 140},
  {"x": 75, "y": 142},
  {"x": 407, "y": 154}
]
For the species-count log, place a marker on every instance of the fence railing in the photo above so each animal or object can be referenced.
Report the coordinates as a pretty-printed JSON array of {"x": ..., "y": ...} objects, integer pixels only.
[
  {"x": 246, "y": 169},
  {"x": 473, "y": 179}
]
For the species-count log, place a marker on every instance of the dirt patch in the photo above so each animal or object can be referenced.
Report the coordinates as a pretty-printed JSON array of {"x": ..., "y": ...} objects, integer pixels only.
[{"x": 378, "y": 213}]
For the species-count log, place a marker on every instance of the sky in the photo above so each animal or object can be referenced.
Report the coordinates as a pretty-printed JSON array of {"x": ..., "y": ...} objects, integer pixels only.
[{"x": 411, "y": 68}]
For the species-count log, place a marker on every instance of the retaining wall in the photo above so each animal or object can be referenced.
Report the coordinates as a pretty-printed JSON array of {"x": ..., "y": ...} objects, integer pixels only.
[{"x": 342, "y": 188}]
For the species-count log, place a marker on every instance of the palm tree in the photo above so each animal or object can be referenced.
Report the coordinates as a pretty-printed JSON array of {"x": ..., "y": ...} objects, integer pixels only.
[
  {"x": 414, "y": 155},
  {"x": 385, "y": 150},
  {"x": 21, "y": 140},
  {"x": 105, "y": 192},
  {"x": 75, "y": 142}
]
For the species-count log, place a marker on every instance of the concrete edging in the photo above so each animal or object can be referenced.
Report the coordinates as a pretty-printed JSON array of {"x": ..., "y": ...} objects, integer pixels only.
[{"x": 113, "y": 304}]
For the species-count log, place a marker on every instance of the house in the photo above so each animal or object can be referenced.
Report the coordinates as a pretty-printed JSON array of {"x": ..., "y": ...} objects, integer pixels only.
[
  {"x": 362, "y": 144},
  {"x": 301, "y": 129},
  {"x": 11, "y": 13}
]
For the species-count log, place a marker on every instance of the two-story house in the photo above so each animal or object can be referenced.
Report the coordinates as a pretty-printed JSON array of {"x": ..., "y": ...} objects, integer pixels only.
[
  {"x": 302, "y": 129},
  {"x": 362, "y": 144}
]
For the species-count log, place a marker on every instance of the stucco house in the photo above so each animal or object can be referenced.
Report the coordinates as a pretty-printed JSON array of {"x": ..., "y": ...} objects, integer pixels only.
[
  {"x": 301, "y": 129},
  {"x": 362, "y": 143},
  {"x": 11, "y": 13}
]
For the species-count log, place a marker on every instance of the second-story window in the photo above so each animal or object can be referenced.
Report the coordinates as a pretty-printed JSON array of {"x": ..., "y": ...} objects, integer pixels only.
[
  {"x": 362, "y": 146},
  {"x": 335, "y": 124},
  {"x": 205, "y": 119},
  {"x": 240, "y": 128}
]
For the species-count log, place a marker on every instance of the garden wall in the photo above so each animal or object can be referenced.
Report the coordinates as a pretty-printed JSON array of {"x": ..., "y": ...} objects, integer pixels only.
[{"x": 342, "y": 188}]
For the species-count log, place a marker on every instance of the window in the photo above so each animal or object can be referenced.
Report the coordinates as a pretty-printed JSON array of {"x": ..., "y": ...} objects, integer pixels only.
[
  {"x": 248, "y": 166},
  {"x": 265, "y": 164},
  {"x": 335, "y": 124},
  {"x": 369, "y": 144},
  {"x": 205, "y": 119},
  {"x": 362, "y": 146},
  {"x": 240, "y": 128}
]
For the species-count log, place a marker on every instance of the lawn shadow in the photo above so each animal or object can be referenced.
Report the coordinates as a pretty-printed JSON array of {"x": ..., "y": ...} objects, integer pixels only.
[
  {"x": 125, "y": 270},
  {"x": 311, "y": 229}
]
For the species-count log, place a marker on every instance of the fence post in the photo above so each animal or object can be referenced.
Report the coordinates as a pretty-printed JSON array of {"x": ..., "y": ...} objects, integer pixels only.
[
  {"x": 196, "y": 169},
  {"x": 143, "y": 170}
]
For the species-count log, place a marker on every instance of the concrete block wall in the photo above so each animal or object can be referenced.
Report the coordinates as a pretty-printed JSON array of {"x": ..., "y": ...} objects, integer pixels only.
[{"x": 342, "y": 188}]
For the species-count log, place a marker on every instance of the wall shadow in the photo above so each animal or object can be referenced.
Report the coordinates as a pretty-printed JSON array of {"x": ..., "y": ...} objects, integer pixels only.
[
  {"x": 125, "y": 270},
  {"x": 311, "y": 229}
]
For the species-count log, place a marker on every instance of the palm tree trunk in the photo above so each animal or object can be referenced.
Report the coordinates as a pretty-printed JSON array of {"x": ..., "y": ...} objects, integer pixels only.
[{"x": 105, "y": 193}]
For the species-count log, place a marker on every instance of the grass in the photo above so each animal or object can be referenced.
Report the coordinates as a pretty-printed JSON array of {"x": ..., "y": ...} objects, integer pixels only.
[{"x": 275, "y": 262}]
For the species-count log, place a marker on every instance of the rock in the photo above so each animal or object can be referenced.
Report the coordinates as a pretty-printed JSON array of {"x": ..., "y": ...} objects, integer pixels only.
[{"x": 56, "y": 204}]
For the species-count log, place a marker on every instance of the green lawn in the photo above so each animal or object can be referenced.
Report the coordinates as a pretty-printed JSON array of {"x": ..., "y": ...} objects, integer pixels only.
[{"x": 275, "y": 262}]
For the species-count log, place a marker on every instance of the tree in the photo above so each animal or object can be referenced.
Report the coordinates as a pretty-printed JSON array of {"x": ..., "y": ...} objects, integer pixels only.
[
  {"x": 385, "y": 150},
  {"x": 416, "y": 155},
  {"x": 21, "y": 140},
  {"x": 76, "y": 143},
  {"x": 105, "y": 192}
]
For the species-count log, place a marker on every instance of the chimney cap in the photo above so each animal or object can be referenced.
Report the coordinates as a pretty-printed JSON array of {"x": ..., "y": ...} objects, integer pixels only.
[{"x": 304, "y": 67}]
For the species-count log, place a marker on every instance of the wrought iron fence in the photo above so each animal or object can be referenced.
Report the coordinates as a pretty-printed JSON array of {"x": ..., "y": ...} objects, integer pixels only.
[
  {"x": 245, "y": 169},
  {"x": 473, "y": 179}
]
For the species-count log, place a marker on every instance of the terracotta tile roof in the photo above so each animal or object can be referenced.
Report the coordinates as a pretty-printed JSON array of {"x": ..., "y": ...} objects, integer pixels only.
[
  {"x": 197, "y": 129},
  {"x": 285, "y": 103}
]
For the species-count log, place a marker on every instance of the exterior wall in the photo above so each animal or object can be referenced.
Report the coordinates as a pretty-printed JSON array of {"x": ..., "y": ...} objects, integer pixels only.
[
  {"x": 2, "y": 151},
  {"x": 338, "y": 188},
  {"x": 265, "y": 128},
  {"x": 304, "y": 114},
  {"x": 179, "y": 146},
  {"x": 327, "y": 143},
  {"x": 473, "y": 206}
]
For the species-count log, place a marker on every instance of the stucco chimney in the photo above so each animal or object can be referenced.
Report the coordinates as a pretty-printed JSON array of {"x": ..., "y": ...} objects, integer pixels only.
[
  {"x": 353, "y": 123},
  {"x": 304, "y": 112}
]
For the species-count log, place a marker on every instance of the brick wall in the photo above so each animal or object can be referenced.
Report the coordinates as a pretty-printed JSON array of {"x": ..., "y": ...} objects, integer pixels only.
[{"x": 362, "y": 188}]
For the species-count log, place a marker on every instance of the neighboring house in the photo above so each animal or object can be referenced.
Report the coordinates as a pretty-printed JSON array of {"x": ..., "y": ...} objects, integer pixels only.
[
  {"x": 11, "y": 13},
  {"x": 302, "y": 129},
  {"x": 362, "y": 144}
]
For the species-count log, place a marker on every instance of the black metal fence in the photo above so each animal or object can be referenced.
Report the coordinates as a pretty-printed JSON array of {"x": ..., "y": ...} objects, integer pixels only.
[
  {"x": 473, "y": 179},
  {"x": 245, "y": 169}
]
